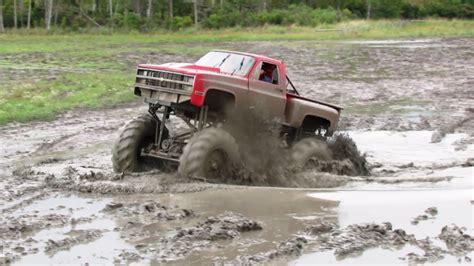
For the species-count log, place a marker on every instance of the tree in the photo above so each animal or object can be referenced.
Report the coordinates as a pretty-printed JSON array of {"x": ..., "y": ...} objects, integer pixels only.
[
  {"x": 2, "y": 28},
  {"x": 138, "y": 8},
  {"x": 15, "y": 19},
  {"x": 56, "y": 11},
  {"x": 195, "y": 12},
  {"x": 48, "y": 13},
  {"x": 170, "y": 8},
  {"x": 111, "y": 8},
  {"x": 369, "y": 7},
  {"x": 111, "y": 11},
  {"x": 217, "y": 13},
  {"x": 29, "y": 14},
  {"x": 149, "y": 9}
]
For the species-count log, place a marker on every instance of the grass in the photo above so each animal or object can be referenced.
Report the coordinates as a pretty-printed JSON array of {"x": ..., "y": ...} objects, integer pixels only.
[
  {"x": 23, "y": 42},
  {"x": 43, "y": 100},
  {"x": 89, "y": 70}
]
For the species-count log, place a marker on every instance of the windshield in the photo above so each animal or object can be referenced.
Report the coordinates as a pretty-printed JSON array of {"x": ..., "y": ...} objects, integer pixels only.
[{"x": 234, "y": 64}]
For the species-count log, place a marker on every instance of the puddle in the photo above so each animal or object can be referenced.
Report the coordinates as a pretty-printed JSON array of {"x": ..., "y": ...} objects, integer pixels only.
[
  {"x": 101, "y": 251},
  {"x": 382, "y": 206},
  {"x": 77, "y": 207},
  {"x": 283, "y": 212},
  {"x": 397, "y": 148},
  {"x": 387, "y": 206},
  {"x": 88, "y": 216}
]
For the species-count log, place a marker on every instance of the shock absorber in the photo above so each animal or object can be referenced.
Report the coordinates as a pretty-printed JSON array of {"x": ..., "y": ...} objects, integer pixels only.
[{"x": 159, "y": 135}]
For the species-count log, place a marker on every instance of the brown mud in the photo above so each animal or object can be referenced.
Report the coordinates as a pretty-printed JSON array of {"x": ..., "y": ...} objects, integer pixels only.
[
  {"x": 266, "y": 158},
  {"x": 354, "y": 239},
  {"x": 412, "y": 124}
]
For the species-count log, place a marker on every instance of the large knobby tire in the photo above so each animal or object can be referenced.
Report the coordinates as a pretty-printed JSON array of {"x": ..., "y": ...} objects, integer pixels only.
[
  {"x": 310, "y": 148},
  {"x": 211, "y": 154},
  {"x": 136, "y": 135}
]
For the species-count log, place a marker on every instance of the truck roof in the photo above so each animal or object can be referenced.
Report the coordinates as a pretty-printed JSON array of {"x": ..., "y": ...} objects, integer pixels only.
[{"x": 266, "y": 58}]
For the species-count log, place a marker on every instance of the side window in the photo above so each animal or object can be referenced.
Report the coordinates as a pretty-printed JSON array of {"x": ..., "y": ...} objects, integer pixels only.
[{"x": 266, "y": 72}]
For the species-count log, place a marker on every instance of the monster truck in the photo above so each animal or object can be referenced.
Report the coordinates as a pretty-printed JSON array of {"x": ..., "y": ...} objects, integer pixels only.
[{"x": 202, "y": 95}]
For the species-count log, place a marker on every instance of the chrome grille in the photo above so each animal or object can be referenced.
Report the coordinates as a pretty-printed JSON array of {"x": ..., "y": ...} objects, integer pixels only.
[{"x": 165, "y": 79}]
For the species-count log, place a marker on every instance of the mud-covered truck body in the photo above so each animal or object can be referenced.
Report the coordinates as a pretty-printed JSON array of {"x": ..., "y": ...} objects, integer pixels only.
[
  {"x": 203, "y": 94},
  {"x": 200, "y": 84}
]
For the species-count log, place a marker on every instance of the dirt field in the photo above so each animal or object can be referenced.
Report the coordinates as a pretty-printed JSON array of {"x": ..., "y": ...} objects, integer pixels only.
[{"x": 410, "y": 108}]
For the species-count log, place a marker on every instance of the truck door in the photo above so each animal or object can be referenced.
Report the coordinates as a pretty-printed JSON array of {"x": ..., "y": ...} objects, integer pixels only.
[{"x": 266, "y": 90}]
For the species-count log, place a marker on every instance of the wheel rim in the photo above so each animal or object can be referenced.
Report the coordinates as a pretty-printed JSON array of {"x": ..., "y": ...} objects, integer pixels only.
[
  {"x": 215, "y": 165},
  {"x": 314, "y": 160},
  {"x": 311, "y": 162}
]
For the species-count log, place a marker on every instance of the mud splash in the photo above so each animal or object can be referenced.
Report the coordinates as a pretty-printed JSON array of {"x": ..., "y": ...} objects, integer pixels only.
[{"x": 266, "y": 156}]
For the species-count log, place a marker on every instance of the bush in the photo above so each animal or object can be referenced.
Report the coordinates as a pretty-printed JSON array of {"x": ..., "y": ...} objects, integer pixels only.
[
  {"x": 276, "y": 17},
  {"x": 438, "y": 8},
  {"x": 296, "y": 14},
  {"x": 178, "y": 23},
  {"x": 324, "y": 16},
  {"x": 411, "y": 11},
  {"x": 225, "y": 17},
  {"x": 387, "y": 8},
  {"x": 128, "y": 21},
  {"x": 300, "y": 15},
  {"x": 467, "y": 11}
]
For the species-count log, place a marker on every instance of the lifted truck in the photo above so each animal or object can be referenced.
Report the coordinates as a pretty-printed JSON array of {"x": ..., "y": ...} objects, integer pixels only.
[{"x": 201, "y": 94}]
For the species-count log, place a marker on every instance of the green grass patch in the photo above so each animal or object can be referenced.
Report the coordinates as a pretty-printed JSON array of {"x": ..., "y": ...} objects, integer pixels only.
[
  {"x": 45, "y": 99},
  {"x": 19, "y": 42}
]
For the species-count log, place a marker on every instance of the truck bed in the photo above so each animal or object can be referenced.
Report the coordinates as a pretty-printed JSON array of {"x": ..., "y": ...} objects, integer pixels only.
[{"x": 291, "y": 95}]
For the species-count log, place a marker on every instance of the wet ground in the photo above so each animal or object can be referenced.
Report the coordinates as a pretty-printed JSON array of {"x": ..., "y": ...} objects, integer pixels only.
[{"x": 409, "y": 108}]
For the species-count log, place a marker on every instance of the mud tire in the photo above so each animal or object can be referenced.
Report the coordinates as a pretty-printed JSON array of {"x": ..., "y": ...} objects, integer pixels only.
[
  {"x": 126, "y": 151},
  {"x": 195, "y": 160},
  {"x": 309, "y": 148}
]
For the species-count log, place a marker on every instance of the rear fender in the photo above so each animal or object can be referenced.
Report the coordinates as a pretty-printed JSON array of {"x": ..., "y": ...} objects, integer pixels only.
[{"x": 298, "y": 109}]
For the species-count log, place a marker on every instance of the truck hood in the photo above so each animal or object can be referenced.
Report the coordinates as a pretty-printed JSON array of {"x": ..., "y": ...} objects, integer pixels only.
[{"x": 183, "y": 68}]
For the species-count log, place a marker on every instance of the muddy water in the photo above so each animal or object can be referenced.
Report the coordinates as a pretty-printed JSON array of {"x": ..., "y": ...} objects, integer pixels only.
[
  {"x": 85, "y": 214},
  {"x": 116, "y": 228},
  {"x": 61, "y": 202},
  {"x": 401, "y": 204},
  {"x": 400, "y": 208},
  {"x": 283, "y": 212}
]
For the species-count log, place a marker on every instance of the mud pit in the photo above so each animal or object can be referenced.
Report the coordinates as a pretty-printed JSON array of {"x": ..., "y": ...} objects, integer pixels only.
[{"x": 61, "y": 202}]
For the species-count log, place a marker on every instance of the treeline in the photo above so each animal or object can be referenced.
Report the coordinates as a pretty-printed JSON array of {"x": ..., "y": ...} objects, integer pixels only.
[{"x": 147, "y": 15}]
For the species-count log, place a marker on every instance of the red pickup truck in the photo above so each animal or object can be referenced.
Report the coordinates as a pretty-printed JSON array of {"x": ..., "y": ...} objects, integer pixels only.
[{"x": 201, "y": 94}]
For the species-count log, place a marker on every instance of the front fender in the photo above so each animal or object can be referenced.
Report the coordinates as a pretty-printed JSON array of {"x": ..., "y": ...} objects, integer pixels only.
[{"x": 235, "y": 85}]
